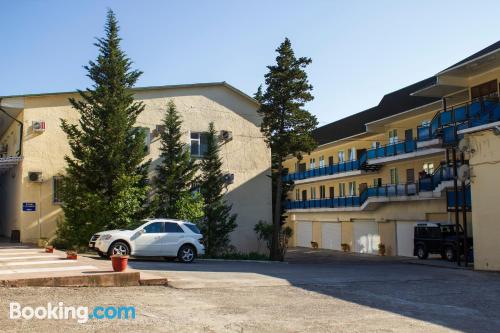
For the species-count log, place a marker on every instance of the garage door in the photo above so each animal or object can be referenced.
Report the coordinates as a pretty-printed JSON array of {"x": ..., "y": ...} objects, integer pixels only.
[
  {"x": 304, "y": 234},
  {"x": 331, "y": 235},
  {"x": 366, "y": 237},
  {"x": 404, "y": 237}
]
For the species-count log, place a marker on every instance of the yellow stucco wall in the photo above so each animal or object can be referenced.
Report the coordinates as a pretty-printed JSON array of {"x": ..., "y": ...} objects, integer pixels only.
[
  {"x": 247, "y": 155},
  {"x": 485, "y": 182}
]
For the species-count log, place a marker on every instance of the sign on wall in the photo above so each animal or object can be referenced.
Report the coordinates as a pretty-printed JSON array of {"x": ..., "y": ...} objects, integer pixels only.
[{"x": 29, "y": 206}]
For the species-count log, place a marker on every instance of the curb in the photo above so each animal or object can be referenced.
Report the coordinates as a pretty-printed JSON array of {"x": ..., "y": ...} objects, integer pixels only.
[{"x": 242, "y": 260}]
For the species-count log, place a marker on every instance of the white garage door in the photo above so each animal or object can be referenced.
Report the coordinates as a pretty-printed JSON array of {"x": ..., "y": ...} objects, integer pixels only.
[
  {"x": 366, "y": 237},
  {"x": 404, "y": 236},
  {"x": 331, "y": 235},
  {"x": 304, "y": 234}
]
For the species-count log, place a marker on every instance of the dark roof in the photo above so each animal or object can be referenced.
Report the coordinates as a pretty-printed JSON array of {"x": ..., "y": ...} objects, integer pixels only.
[
  {"x": 484, "y": 51},
  {"x": 391, "y": 104}
]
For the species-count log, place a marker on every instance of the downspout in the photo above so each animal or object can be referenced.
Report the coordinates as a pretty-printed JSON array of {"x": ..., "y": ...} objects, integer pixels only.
[{"x": 20, "y": 132}]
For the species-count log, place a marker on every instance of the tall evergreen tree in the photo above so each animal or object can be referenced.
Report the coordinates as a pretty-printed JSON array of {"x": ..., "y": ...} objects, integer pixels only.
[
  {"x": 176, "y": 171},
  {"x": 286, "y": 125},
  {"x": 218, "y": 222},
  {"x": 105, "y": 185}
]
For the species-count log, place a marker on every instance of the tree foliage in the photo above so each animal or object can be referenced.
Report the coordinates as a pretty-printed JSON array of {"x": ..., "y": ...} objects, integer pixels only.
[
  {"x": 218, "y": 222},
  {"x": 286, "y": 124},
  {"x": 105, "y": 186}
]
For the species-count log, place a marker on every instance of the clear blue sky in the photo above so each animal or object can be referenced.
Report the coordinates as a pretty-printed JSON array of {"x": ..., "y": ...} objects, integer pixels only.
[{"x": 360, "y": 49}]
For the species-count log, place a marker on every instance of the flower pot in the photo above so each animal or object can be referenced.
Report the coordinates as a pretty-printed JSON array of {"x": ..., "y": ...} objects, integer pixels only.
[
  {"x": 49, "y": 249},
  {"x": 119, "y": 263},
  {"x": 71, "y": 256}
]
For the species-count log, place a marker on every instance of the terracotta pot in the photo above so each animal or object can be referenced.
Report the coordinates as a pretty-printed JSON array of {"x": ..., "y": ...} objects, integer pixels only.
[
  {"x": 119, "y": 263},
  {"x": 71, "y": 256},
  {"x": 49, "y": 249}
]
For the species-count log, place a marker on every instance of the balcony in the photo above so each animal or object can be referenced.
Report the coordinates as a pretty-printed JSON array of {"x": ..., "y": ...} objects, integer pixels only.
[
  {"x": 430, "y": 183},
  {"x": 342, "y": 169},
  {"x": 398, "y": 151}
]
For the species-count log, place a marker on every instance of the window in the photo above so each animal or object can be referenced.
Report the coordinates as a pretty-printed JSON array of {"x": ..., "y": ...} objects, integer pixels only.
[
  {"x": 393, "y": 136},
  {"x": 394, "y": 176},
  {"x": 330, "y": 160},
  {"x": 342, "y": 190},
  {"x": 321, "y": 161},
  {"x": 199, "y": 143},
  {"x": 304, "y": 195},
  {"x": 375, "y": 144},
  {"x": 302, "y": 167},
  {"x": 322, "y": 192},
  {"x": 147, "y": 136},
  {"x": 341, "y": 156},
  {"x": 56, "y": 189},
  {"x": 173, "y": 227},
  {"x": 313, "y": 193},
  {"x": 154, "y": 228},
  {"x": 425, "y": 123},
  {"x": 297, "y": 194},
  {"x": 428, "y": 168},
  {"x": 312, "y": 163},
  {"x": 410, "y": 176},
  {"x": 485, "y": 89},
  {"x": 352, "y": 189},
  {"x": 351, "y": 152},
  {"x": 332, "y": 192},
  {"x": 377, "y": 182},
  {"x": 193, "y": 228}
]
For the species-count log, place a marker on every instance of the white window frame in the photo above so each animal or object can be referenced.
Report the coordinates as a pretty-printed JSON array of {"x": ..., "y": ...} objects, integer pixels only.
[
  {"x": 321, "y": 161},
  {"x": 341, "y": 190},
  {"x": 341, "y": 156},
  {"x": 428, "y": 167},
  {"x": 393, "y": 136},
  {"x": 199, "y": 154},
  {"x": 322, "y": 191},
  {"x": 394, "y": 176},
  {"x": 312, "y": 163},
  {"x": 352, "y": 189},
  {"x": 313, "y": 193},
  {"x": 55, "y": 199}
]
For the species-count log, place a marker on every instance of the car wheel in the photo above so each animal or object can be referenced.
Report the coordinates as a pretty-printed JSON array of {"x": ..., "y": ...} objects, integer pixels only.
[
  {"x": 450, "y": 254},
  {"x": 186, "y": 253},
  {"x": 422, "y": 252},
  {"x": 118, "y": 248}
]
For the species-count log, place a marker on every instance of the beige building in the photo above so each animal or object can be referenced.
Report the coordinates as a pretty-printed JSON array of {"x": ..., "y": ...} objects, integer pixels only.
[
  {"x": 32, "y": 143},
  {"x": 378, "y": 173}
]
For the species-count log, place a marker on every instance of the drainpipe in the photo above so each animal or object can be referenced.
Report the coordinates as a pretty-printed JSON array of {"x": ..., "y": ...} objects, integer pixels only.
[{"x": 20, "y": 132}]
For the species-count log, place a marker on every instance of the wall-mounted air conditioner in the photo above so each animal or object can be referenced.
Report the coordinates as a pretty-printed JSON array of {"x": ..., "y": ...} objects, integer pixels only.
[
  {"x": 225, "y": 136},
  {"x": 229, "y": 178},
  {"x": 38, "y": 126},
  {"x": 35, "y": 176}
]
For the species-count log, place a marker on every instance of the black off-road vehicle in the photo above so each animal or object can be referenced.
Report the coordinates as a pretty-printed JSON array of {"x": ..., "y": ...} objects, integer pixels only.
[{"x": 437, "y": 238}]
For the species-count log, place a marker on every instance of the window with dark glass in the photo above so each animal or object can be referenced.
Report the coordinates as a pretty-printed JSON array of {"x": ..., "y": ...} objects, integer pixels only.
[
  {"x": 154, "y": 228},
  {"x": 173, "y": 227},
  {"x": 198, "y": 143},
  {"x": 484, "y": 89}
]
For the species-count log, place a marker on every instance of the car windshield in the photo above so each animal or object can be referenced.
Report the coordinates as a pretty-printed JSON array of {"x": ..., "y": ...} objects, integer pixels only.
[
  {"x": 193, "y": 228},
  {"x": 448, "y": 230}
]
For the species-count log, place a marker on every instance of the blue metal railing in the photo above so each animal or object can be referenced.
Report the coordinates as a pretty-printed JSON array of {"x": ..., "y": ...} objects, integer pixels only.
[
  {"x": 393, "y": 149},
  {"x": 441, "y": 174},
  {"x": 327, "y": 170}
]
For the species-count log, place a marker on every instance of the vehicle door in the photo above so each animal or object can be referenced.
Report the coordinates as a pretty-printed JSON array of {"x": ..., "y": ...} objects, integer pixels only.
[
  {"x": 172, "y": 241},
  {"x": 148, "y": 241}
]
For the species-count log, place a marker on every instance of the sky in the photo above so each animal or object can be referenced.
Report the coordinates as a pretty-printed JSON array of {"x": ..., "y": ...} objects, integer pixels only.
[{"x": 360, "y": 50}]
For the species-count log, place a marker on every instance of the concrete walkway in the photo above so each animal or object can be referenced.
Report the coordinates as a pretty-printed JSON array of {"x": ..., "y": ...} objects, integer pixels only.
[{"x": 24, "y": 265}]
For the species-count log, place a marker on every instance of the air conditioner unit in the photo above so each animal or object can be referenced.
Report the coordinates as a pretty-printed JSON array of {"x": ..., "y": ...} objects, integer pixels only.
[
  {"x": 229, "y": 178},
  {"x": 463, "y": 172},
  {"x": 38, "y": 126},
  {"x": 35, "y": 176},
  {"x": 226, "y": 136},
  {"x": 463, "y": 145},
  {"x": 158, "y": 130}
]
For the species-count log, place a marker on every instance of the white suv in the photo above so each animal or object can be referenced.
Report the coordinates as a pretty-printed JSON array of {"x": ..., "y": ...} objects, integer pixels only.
[{"x": 156, "y": 238}]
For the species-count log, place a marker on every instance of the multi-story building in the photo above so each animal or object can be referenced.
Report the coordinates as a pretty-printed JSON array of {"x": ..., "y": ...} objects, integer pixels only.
[
  {"x": 377, "y": 173},
  {"x": 33, "y": 146}
]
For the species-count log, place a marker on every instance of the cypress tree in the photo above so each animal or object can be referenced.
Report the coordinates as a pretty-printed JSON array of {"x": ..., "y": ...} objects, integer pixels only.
[
  {"x": 218, "y": 222},
  {"x": 105, "y": 186},
  {"x": 286, "y": 125},
  {"x": 176, "y": 171}
]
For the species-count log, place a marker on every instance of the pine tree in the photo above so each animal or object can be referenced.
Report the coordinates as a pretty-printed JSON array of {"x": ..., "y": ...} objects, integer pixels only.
[
  {"x": 286, "y": 125},
  {"x": 177, "y": 170},
  {"x": 218, "y": 222},
  {"x": 105, "y": 186}
]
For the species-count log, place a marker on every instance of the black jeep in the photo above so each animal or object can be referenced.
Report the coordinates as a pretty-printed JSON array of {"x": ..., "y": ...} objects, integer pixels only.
[{"x": 437, "y": 238}]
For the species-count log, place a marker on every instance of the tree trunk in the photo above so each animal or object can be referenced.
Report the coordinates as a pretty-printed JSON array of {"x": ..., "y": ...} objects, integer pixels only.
[{"x": 275, "y": 246}]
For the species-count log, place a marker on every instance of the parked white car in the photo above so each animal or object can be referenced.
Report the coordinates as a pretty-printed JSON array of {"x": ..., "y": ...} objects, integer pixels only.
[{"x": 155, "y": 238}]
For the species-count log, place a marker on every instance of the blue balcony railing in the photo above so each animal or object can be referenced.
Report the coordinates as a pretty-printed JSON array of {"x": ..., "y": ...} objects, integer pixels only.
[
  {"x": 327, "y": 170},
  {"x": 450, "y": 198},
  {"x": 393, "y": 149},
  {"x": 430, "y": 182}
]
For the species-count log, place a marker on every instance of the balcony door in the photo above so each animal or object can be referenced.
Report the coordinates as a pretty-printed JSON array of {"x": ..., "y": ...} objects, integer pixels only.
[{"x": 409, "y": 134}]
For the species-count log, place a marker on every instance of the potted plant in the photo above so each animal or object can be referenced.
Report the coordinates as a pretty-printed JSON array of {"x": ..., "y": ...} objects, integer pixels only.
[
  {"x": 381, "y": 249},
  {"x": 43, "y": 242},
  {"x": 119, "y": 262},
  {"x": 345, "y": 247},
  {"x": 71, "y": 255},
  {"x": 49, "y": 249}
]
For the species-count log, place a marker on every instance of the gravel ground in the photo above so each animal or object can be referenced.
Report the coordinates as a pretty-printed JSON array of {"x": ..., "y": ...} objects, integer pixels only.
[{"x": 254, "y": 309}]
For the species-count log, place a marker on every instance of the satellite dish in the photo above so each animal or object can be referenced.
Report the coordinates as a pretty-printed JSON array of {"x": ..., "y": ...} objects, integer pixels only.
[
  {"x": 464, "y": 145},
  {"x": 463, "y": 172}
]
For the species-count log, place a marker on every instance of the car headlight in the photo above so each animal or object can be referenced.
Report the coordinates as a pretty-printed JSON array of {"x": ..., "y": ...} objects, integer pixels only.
[{"x": 105, "y": 237}]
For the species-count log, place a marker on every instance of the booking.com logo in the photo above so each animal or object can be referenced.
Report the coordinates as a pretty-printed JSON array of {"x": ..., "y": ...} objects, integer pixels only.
[{"x": 80, "y": 313}]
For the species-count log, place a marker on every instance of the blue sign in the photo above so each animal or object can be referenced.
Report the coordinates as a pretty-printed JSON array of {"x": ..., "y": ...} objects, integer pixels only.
[{"x": 29, "y": 207}]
